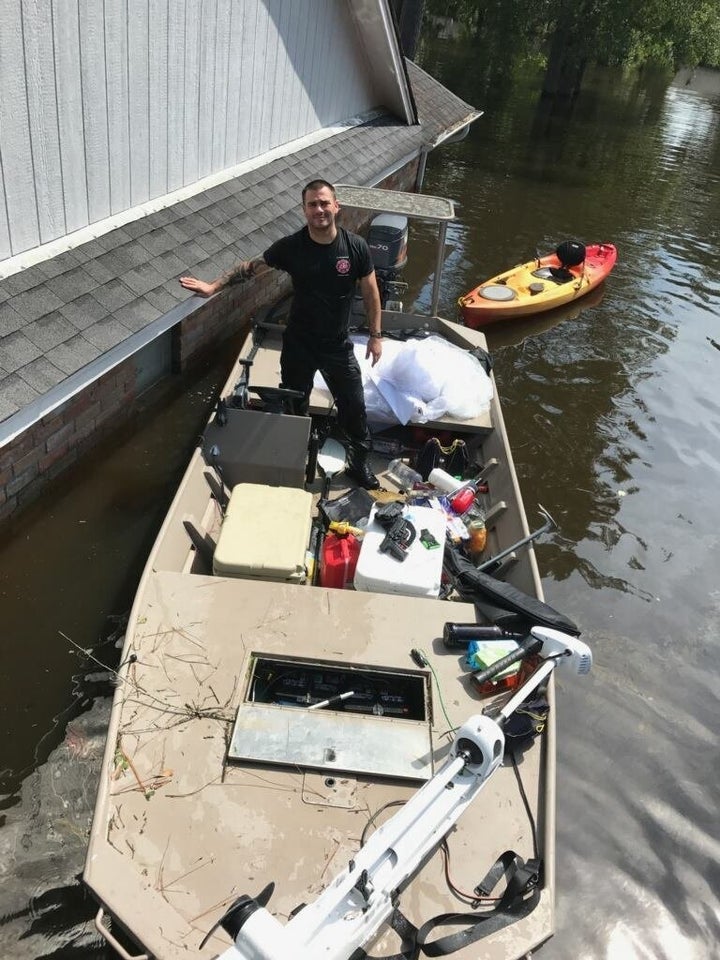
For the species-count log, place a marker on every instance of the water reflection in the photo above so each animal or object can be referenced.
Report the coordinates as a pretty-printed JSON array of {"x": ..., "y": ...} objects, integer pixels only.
[{"x": 514, "y": 333}]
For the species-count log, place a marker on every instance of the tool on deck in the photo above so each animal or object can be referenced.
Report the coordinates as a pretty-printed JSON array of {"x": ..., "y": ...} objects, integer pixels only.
[
  {"x": 549, "y": 644},
  {"x": 342, "y": 528},
  {"x": 401, "y": 532},
  {"x": 545, "y": 528}
]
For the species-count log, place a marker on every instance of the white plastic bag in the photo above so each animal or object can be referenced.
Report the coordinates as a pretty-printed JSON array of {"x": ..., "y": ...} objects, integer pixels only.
[
  {"x": 420, "y": 380},
  {"x": 442, "y": 377}
]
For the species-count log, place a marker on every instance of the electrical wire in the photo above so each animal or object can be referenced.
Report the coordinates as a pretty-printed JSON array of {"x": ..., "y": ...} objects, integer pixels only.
[
  {"x": 521, "y": 787},
  {"x": 439, "y": 690},
  {"x": 472, "y": 898},
  {"x": 526, "y": 803},
  {"x": 373, "y": 818}
]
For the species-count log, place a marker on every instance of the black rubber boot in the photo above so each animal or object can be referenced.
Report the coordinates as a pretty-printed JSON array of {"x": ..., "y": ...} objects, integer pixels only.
[{"x": 358, "y": 470}]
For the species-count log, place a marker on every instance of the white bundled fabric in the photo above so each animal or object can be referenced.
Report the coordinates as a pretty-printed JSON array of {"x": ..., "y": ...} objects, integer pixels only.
[
  {"x": 420, "y": 380},
  {"x": 439, "y": 374}
]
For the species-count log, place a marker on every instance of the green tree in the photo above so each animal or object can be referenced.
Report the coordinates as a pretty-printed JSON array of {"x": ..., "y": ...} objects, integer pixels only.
[{"x": 570, "y": 34}]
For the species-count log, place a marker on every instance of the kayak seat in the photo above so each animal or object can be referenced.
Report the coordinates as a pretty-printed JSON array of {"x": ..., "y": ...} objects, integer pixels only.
[
  {"x": 570, "y": 253},
  {"x": 558, "y": 275}
]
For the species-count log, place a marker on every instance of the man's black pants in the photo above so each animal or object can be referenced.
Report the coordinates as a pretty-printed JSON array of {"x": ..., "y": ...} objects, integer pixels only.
[{"x": 301, "y": 357}]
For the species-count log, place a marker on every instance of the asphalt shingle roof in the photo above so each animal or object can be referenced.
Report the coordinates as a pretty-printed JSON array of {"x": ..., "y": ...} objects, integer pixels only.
[{"x": 62, "y": 314}]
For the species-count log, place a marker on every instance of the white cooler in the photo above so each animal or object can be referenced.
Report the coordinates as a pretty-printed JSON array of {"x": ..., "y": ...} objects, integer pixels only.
[{"x": 419, "y": 574}]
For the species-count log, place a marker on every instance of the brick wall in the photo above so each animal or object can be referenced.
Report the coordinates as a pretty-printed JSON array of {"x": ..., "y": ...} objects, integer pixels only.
[{"x": 34, "y": 459}]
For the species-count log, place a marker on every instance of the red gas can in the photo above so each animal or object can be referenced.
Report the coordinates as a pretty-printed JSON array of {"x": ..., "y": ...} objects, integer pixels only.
[{"x": 339, "y": 559}]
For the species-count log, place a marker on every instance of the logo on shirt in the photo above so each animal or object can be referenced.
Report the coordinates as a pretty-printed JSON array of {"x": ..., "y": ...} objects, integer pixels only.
[{"x": 342, "y": 266}]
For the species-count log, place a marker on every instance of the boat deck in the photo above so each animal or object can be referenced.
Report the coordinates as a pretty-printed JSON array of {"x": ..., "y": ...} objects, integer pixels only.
[{"x": 188, "y": 831}]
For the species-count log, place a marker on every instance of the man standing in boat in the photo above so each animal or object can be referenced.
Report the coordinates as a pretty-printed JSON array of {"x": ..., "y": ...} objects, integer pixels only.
[{"x": 325, "y": 262}]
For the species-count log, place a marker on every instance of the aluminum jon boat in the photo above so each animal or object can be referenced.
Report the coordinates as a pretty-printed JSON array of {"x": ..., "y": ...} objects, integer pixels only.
[{"x": 298, "y": 770}]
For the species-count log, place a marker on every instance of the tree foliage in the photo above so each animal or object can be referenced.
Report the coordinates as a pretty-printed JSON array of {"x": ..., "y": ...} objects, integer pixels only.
[{"x": 670, "y": 33}]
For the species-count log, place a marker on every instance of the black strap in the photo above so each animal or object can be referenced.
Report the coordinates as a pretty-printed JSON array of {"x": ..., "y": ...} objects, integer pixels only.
[
  {"x": 522, "y": 877},
  {"x": 522, "y": 890}
]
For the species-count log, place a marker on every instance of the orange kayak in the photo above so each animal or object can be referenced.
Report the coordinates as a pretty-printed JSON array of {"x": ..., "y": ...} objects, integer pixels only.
[{"x": 540, "y": 284}]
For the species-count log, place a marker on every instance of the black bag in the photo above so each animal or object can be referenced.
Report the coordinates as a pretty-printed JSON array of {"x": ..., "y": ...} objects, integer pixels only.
[
  {"x": 479, "y": 587},
  {"x": 526, "y": 723},
  {"x": 454, "y": 459}
]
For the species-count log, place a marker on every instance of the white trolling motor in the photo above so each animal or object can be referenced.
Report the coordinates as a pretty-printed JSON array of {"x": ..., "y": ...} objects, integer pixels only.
[{"x": 348, "y": 913}]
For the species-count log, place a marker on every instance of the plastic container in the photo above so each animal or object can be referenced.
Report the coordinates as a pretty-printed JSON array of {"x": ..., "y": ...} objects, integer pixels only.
[
  {"x": 338, "y": 560},
  {"x": 461, "y": 501},
  {"x": 402, "y": 475},
  {"x": 265, "y": 533},
  {"x": 477, "y": 541},
  {"x": 482, "y": 654},
  {"x": 444, "y": 481}
]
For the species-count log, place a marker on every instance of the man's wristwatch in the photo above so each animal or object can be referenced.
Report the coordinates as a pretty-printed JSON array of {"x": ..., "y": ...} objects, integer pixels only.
[{"x": 375, "y": 336}]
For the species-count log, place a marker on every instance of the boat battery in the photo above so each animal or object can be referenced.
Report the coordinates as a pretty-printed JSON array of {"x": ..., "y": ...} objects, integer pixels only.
[
  {"x": 265, "y": 533},
  {"x": 339, "y": 560},
  {"x": 419, "y": 573}
]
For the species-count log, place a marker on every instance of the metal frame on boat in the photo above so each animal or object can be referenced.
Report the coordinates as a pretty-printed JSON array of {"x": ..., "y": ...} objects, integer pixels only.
[{"x": 181, "y": 829}]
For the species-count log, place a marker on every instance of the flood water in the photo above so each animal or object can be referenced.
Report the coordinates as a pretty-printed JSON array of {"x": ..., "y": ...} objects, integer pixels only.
[{"x": 613, "y": 413}]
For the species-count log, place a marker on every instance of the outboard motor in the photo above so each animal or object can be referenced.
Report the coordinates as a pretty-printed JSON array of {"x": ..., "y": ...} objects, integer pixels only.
[{"x": 387, "y": 239}]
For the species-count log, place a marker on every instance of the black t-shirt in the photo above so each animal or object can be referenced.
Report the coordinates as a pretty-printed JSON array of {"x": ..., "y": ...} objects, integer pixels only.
[{"x": 324, "y": 276}]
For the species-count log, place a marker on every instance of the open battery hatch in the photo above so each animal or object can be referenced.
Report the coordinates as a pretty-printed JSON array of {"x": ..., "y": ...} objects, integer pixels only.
[{"x": 284, "y": 717}]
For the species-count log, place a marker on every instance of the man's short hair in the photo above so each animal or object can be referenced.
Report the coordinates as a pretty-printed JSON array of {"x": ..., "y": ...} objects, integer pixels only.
[{"x": 318, "y": 185}]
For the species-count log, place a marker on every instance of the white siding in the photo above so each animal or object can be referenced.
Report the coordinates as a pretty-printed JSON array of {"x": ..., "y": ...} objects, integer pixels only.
[
  {"x": 107, "y": 105},
  {"x": 158, "y": 104},
  {"x": 71, "y": 134},
  {"x": 118, "y": 94},
  {"x": 18, "y": 175},
  {"x": 43, "y": 116},
  {"x": 139, "y": 100},
  {"x": 96, "y": 108}
]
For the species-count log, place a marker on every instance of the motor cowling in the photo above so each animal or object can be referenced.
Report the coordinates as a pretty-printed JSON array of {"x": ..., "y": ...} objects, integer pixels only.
[{"x": 388, "y": 239}]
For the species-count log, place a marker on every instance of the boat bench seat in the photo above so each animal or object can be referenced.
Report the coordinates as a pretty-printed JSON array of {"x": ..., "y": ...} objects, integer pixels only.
[
  {"x": 257, "y": 447},
  {"x": 265, "y": 534}
]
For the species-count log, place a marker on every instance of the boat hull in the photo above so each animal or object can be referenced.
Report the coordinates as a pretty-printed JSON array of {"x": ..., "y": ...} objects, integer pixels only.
[
  {"x": 180, "y": 830},
  {"x": 520, "y": 292}
]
